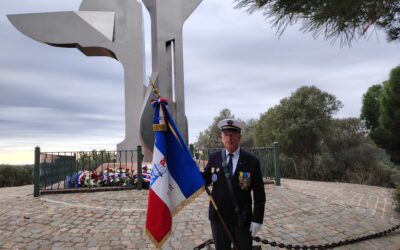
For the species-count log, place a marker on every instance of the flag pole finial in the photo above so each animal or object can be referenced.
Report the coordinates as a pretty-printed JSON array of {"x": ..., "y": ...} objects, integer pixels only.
[
  {"x": 156, "y": 92},
  {"x": 159, "y": 122}
]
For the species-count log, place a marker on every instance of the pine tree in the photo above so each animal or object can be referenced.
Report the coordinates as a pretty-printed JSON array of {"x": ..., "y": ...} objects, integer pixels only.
[{"x": 347, "y": 20}]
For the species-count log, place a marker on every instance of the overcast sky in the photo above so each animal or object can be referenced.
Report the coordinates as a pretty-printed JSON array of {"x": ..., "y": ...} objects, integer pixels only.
[{"x": 61, "y": 100}]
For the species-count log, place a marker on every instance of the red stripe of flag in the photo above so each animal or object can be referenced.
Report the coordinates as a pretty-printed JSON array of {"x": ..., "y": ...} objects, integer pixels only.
[{"x": 158, "y": 220}]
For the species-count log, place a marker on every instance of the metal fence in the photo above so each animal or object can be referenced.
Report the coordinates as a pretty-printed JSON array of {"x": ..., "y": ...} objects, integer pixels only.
[
  {"x": 57, "y": 172},
  {"x": 87, "y": 171},
  {"x": 269, "y": 159}
]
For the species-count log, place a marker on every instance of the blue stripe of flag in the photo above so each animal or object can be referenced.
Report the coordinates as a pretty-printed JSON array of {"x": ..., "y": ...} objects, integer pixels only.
[
  {"x": 181, "y": 165},
  {"x": 182, "y": 169}
]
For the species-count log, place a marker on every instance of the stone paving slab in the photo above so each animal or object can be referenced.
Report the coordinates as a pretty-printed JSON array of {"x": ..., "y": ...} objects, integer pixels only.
[{"x": 297, "y": 212}]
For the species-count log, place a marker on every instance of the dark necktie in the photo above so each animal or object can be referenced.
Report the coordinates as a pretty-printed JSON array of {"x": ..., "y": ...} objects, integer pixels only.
[{"x": 230, "y": 164}]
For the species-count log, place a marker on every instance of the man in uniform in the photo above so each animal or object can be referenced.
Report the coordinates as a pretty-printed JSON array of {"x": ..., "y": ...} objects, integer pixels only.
[{"x": 235, "y": 174}]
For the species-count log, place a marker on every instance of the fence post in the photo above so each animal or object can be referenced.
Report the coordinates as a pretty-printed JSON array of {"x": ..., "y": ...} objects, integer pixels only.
[
  {"x": 139, "y": 167},
  {"x": 191, "y": 149},
  {"x": 277, "y": 165},
  {"x": 36, "y": 172}
]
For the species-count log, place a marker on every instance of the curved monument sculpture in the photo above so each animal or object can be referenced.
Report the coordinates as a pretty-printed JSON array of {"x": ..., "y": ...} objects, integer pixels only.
[
  {"x": 99, "y": 28},
  {"x": 114, "y": 28}
]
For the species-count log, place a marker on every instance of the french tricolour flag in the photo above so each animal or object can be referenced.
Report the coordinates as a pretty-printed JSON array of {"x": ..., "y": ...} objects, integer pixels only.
[{"x": 175, "y": 177}]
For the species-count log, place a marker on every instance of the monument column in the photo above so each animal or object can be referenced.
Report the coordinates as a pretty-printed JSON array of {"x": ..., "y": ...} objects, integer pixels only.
[{"x": 167, "y": 19}]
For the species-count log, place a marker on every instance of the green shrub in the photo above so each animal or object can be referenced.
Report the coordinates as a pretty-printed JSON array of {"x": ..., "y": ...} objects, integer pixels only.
[{"x": 11, "y": 176}]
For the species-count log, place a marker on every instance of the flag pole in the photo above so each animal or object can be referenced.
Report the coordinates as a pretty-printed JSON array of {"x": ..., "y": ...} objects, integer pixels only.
[
  {"x": 156, "y": 93},
  {"x": 220, "y": 217}
]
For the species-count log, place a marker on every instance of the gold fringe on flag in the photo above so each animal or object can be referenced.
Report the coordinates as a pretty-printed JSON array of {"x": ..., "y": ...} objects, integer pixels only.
[
  {"x": 187, "y": 201},
  {"x": 155, "y": 242},
  {"x": 173, "y": 213}
]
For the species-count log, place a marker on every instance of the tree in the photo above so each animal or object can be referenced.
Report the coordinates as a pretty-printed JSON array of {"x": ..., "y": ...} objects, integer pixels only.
[
  {"x": 371, "y": 106},
  {"x": 91, "y": 160},
  {"x": 247, "y": 139},
  {"x": 370, "y": 114},
  {"x": 210, "y": 138},
  {"x": 390, "y": 116},
  {"x": 347, "y": 20},
  {"x": 299, "y": 123},
  {"x": 381, "y": 113},
  {"x": 350, "y": 156}
]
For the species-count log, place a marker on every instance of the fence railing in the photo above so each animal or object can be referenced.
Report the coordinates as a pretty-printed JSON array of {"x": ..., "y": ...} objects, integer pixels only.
[
  {"x": 56, "y": 172},
  {"x": 269, "y": 159},
  {"x": 87, "y": 171}
]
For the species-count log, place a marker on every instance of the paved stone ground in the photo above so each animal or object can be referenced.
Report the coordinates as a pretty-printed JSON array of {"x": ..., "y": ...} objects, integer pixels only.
[{"x": 297, "y": 212}]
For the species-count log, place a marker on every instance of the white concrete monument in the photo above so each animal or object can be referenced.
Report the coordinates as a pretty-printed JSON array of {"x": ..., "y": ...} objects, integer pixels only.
[
  {"x": 100, "y": 28},
  {"x": 114, "y": 28}
]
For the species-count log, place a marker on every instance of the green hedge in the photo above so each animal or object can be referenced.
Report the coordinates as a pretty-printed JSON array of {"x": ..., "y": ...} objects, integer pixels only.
[{"x": 11, "y": 175}]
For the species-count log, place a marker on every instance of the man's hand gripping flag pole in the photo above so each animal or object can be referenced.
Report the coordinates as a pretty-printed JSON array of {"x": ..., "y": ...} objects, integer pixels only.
[{"x": 175, "y": 177}]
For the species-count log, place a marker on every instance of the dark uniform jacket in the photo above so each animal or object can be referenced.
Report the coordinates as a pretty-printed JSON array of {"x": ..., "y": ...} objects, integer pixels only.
[{"x": 247, "y": 178}]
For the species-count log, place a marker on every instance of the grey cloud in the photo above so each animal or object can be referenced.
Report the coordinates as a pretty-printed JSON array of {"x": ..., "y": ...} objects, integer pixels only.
[
  {"x": 47, "y": 122},
  {"x": 44, "y": 89}
]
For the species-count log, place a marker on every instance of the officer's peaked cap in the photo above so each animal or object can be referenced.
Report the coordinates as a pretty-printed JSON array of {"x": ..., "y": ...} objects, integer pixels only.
[{"x": 230, "y": 125}]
